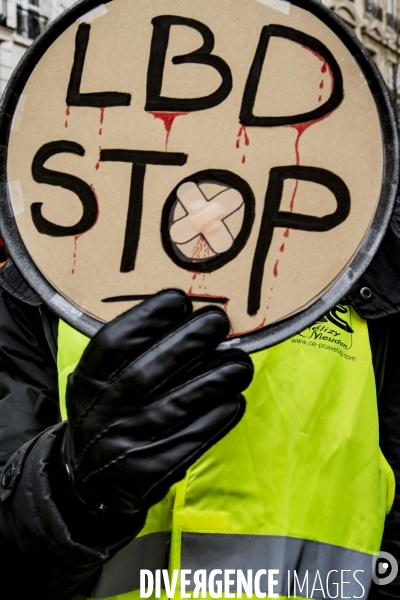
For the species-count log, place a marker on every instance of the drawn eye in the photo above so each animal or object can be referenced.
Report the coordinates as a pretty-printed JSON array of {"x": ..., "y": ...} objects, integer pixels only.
[{"x": 207, "y": 220}]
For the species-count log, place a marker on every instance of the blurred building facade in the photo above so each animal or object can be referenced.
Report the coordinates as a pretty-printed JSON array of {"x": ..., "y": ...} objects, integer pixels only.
[
  {"x": 377, "y": 24},
  {"x": 21, "y": 21}
]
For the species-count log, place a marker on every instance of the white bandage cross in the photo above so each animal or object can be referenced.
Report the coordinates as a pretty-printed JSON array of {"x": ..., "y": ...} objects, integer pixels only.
[{"x": 205, "y": 217}]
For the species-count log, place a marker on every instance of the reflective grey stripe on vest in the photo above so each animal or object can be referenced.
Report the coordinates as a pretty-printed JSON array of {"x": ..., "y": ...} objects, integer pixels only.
[
  {"x": 256, "y": 552},
  {"x": 244, "y": 552},
  {"x": 122, "y": 573}
]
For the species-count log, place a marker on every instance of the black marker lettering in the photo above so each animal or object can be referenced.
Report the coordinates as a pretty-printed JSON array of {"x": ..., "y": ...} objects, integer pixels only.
[
  {"x": 247, "y": 117},
  {"x": 136, "y": 297},
  {"x": 69, "y": 182},
  {"x": 272, "y": 218},
  {"x": 96, "y": 99},
  {"x": 203, "y": 56},
  {"x": 139, "y": 160}
]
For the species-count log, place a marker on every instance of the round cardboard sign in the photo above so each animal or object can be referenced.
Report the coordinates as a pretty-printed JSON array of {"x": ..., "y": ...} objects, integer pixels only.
[{"x": 244, "y": 151}]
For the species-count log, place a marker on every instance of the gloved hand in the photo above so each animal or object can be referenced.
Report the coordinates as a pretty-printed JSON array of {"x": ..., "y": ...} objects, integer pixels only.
[{"x": 149, "y": 396}]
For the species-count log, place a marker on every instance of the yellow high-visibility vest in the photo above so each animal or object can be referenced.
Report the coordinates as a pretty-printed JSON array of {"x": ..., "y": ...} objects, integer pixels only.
[{"x": 299, "y": 485}]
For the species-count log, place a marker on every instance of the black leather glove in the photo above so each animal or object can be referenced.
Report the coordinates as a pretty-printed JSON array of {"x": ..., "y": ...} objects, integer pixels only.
[{"x": 149, "y": 396}]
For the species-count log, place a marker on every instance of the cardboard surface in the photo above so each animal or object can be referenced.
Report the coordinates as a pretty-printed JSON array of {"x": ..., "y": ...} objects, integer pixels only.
[{"x": 208, "y": 202}]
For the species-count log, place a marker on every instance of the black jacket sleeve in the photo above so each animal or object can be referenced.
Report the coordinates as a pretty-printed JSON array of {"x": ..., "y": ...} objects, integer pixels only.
[
  {"x": 377, "y": 293},
  {"x": 376, "y": 297},
  {"x": 49, "y": 547},
  {"x": 28, "y": 383},
  {"x": 385, "y": 342},
  {"x": 52, "y": 549}
]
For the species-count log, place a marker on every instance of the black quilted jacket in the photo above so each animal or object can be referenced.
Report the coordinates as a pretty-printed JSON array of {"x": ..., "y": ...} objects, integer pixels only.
[{"x": 47, "y": 552}]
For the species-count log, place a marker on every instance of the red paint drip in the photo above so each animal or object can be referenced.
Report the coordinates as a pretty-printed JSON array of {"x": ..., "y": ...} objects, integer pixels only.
[
  {"x": 324, "y": 67},
  {"x": 100, "y": 131},
  {"x": 233, "y": 334},
  {"x": 102, "y": 115},
  {"x": 168, "y": 118},
  {"x": 97, "y": 166},
  {"x": 242, "y": 131},
  {"x": 294, "y": 195},
  {"x": 76, "y": 237},
  {"x": 246, "y": 137},
  {"x": 67, "y": 112},
  {"x": 200, "y": 250},
  {"x": 301, "y": 128}
]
